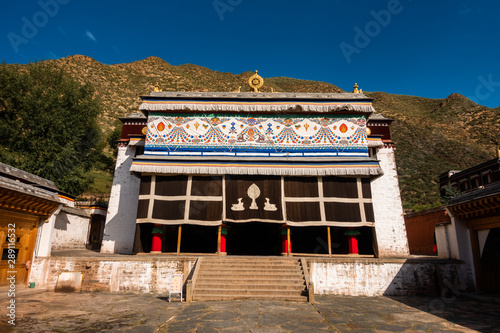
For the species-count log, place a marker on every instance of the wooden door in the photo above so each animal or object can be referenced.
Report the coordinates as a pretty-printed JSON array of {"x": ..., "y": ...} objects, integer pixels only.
[{"x": 17, "y": 242}]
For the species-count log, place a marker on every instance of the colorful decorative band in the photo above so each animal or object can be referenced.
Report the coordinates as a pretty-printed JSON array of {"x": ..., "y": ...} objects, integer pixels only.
[
  {"x": 258, "y": 154},
  {"x": 66, "y": 197}
]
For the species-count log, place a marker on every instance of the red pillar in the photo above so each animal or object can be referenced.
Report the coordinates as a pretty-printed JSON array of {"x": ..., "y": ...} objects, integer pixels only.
[
  {"x": 352, "y": 240},
  {"x": 285, "y": 246},
  {"x": 223, "y": 234},
  {"x": 157, "y": 233},
  {"x": 353, "y": 244}
]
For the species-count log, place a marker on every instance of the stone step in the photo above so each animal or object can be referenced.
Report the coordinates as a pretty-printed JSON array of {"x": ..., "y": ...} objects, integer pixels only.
[
  {"x": 250, "y": 261},
  {"x": 244, "y": 291},
  {"x": 245, "y": 274},
  {"x": 249, "y": 266},
  {"x": 253, "y": 286},
  {"x": 197, "y": 297},
  {"x": 223, "y": 269},
  {"x": 250, "y": 280}
]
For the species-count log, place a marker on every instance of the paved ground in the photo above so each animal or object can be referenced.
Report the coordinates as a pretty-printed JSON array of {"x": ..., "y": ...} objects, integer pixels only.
[{"x": 39, "y": 311}]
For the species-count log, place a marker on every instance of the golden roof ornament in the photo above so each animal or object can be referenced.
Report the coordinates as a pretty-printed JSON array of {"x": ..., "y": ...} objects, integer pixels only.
[
  {"x": 255, "y": 82},
  {"x": 357, "y": 90},
  {"x": 157, "y": 87}
]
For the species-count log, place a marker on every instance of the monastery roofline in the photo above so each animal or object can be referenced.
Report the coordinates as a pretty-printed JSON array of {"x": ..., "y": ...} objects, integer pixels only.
[
  {"x": 256, "y": 96},
  {"x": 28, "y": 189},
  {"x": 255, "y": 159},
  {"x": 25, "y": 177}
]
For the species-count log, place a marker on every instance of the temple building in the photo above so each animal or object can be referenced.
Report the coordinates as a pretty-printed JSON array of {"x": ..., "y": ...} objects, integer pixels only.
[
  {"x": 255, "y": 173},
  {"x": 472, "y": 233}
]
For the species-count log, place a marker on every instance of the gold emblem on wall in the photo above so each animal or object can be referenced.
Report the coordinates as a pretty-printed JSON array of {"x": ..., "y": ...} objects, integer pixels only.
[{"x": 255, "y": 82}]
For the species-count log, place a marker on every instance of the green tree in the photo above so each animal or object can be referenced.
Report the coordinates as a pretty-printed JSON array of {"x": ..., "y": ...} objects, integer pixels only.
[
  {"x": 449, "y": 193},
  {"x": 48, "y": 124}
]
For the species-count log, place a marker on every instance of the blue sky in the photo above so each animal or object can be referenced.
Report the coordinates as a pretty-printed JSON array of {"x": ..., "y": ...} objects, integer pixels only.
[{"x": 422, "y": 48}]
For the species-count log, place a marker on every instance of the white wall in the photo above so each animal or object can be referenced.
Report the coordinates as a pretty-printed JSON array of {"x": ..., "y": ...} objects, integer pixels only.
[
  {"x": 45, "y": 235},
  {"x": 119, "y": 230},
  {"x": 388, "y": 209},
  {"x": 70, "y": 231},
  {"x": 460, "y": 245},
  {"x": 378, "y": 277}
]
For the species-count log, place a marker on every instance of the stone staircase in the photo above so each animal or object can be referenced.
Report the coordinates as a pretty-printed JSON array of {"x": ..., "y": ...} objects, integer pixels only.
[{"x": 229, "y": 278}]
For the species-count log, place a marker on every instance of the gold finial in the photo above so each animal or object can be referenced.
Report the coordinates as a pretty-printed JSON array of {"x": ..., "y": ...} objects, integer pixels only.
[
  {"x": 273, "y": 91},
  {"x": 356, "y": 90},
  {"x": 237, "y": 90},
  {"x": 255, "y": 82},
  {"x": 157, "y": 87}
]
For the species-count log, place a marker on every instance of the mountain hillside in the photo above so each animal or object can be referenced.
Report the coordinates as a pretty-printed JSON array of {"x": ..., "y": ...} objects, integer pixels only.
[{"x": 431, "y": 135}]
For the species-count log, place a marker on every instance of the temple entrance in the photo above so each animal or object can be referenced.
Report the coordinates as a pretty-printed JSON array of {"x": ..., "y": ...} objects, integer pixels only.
[{"x": 254, "y": 238}]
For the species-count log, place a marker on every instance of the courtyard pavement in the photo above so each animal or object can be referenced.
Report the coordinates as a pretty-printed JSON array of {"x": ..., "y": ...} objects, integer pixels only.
[{"x": 42, "y": 311}]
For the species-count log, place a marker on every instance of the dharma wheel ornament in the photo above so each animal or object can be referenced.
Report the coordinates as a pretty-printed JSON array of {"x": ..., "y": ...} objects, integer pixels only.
[{"x": 255, "y": 82}]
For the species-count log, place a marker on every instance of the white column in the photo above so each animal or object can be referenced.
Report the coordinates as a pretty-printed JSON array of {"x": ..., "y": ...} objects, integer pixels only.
[
  {"x": 45, "y": 234},
  {"x": 119, "y": 230},
  {"x": 388, "y": 208}
]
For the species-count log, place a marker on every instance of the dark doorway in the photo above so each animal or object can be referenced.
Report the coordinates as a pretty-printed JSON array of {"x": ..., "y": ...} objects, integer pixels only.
[
  {"x": 254, "y": 238},
  {"x": 198, "y": 239},
  {"x": 96, "y": 231},
  {"x": 309, "y": 240},
  {"x": 490, "y": 262},
  {"x": 314, "y": 240}
]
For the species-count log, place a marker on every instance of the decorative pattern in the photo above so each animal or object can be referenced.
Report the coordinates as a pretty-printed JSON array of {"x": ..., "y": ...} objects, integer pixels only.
[{"x": 259, "y": 134}]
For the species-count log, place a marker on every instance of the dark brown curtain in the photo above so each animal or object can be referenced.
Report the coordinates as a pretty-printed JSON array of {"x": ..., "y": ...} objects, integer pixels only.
[
  {"x": 171, "y": 185},
  {"x": 168, "y": 210},
  {"x": 270, "y": 192},
  {"x": 342, "y": 212},
  {"x": 145, "y": 187},
  {"x": 303, "y": 211},
  {"x": 341, "y": 187},
  {"x": 301, "y": 187},
  {"x": 365, "y": 185},
  {"x": 206, "y": 186},
  {"x": 142, "y": 209},
  {"x": 205, "y": 210}
]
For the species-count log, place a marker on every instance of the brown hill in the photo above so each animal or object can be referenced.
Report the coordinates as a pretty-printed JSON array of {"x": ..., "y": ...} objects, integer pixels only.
[{"x": 431, "y": 135}]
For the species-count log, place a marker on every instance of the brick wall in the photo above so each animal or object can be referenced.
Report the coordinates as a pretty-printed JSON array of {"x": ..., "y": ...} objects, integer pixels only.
[
  {"x": 150, "y": 275},
  {"x": 420, "y": 228},
  {"x": 354, "y": 277},
  {"x": 373, "y": 277}
]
